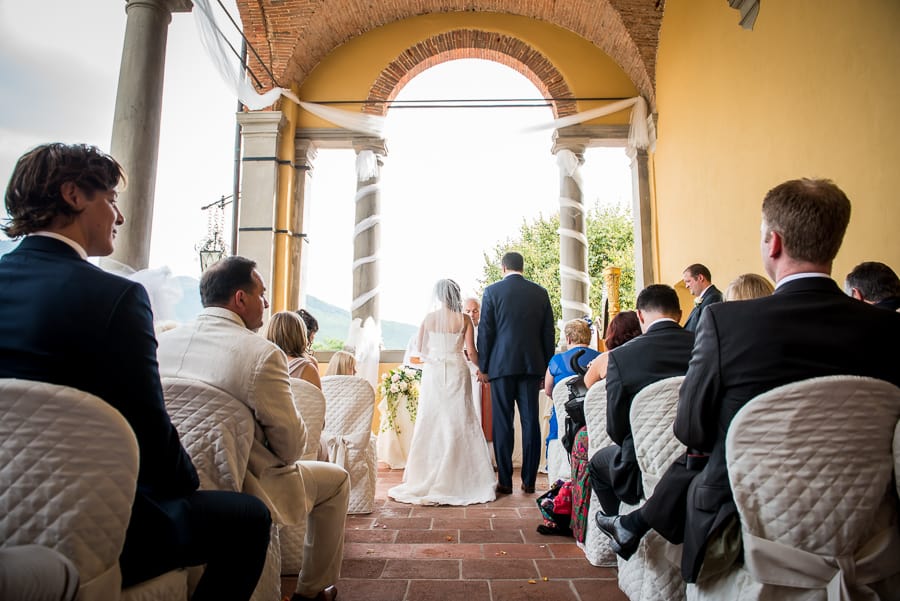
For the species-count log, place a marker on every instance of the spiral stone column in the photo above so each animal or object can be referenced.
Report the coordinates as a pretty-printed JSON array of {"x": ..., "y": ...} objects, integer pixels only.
[
  {"x": 136, "y": 121},
  {"x": 573, "y": 244},
  {"x": 370, "y": 153}
]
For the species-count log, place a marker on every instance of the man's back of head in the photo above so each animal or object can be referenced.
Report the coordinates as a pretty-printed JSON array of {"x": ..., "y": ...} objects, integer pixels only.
[
  {"x": 804, "y": 222},
  {"x": 657, "y": 301},
  {"x": 872, "y": 282},
  {"x": 513, "y": 261}
]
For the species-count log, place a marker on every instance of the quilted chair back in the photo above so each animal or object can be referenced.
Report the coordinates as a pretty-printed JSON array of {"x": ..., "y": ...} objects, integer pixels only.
[
  {"x": 68, "y": 471},
  {"x": 558, "y": 461},
  {"x": 596, "y": 545},
  {"x": 349, "y": 412},
  {"x": 215, "y": 428},
  {"x": 309, "y": 401},
  {"x": 654, "y": 572},
  {"x": 810, "y": 465},
  {"x": 217, "y": 431}
]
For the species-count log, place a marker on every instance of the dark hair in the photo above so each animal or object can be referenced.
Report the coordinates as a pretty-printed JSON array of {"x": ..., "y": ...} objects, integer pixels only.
[
  {"x": 447, "y": 292},
  {"x": 513, "y": 261},
  {"x": 659, "y": 297},
  {"x": 225, "y": 277},
  {"x": 699, "y": 269},
  {"x": 811, "y": 215},
  {"x": 875, "y": 281},
  {"x": 622, "y": 328},
  {"x": 312, "y": 324},
  {"x": 33, "y": 195}
]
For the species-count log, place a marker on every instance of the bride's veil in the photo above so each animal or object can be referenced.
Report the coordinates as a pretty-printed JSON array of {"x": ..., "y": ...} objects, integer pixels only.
[{"x": 444, "y": 315}]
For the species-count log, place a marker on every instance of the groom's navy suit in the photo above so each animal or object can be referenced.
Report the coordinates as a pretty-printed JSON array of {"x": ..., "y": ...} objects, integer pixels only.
[
  {"x": 515, "y": 344},
  {"x": 67, "y": 322}
]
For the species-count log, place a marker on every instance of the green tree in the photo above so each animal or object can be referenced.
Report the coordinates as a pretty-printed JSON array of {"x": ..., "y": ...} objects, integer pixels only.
[{"x": 610, "y": 243}]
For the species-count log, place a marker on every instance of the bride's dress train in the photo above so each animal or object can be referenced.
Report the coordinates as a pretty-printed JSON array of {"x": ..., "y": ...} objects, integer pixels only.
[{"x": 449, "y": 462}]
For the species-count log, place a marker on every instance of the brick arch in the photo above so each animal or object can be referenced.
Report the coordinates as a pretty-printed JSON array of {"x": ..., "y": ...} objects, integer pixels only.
[{"x": 471, "y": 43}]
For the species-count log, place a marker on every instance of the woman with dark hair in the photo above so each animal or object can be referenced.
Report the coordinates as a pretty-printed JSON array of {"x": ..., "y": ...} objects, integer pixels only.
[
  {"x": 312, "y": 326},
  {"x": 622, "y": 328},
  {"x": 449, "y": 462}
]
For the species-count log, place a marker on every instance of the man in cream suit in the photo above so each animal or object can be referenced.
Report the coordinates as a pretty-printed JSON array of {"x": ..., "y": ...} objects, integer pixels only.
[{"x": 221, "y": 349}]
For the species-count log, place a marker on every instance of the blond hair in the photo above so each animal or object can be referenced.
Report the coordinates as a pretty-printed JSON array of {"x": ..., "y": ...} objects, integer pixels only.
[
  {"x": 577, "y": 331},
  {"x": 342, "y": 363},
  {"x": 747, "y": 286},
  {"x": 287, "y": 330}
]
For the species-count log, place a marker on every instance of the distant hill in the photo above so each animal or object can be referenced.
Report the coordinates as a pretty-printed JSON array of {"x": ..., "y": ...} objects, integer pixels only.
[{"x": 334, "y": 324}]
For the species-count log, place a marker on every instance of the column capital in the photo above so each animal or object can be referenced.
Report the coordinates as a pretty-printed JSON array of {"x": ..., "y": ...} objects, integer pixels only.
[
  {"x": 170, "y": 6},
  {"x": 260, "y": 123},
  {"x": 576, "y": 144},
  {"x": 305, "y": 152},
  {"x": 376, "y": 145}
]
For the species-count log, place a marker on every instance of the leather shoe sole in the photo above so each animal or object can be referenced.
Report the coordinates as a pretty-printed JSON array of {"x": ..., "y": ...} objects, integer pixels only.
[
  {"x": 527, "y": 489},
  {"x": 503, "y": 490},
  {"x": 327, "y": 594},
  {"x": 623, "y": 541}
]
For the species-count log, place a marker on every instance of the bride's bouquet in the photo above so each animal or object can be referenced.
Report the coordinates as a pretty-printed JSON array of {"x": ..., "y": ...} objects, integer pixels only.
[{"x": 400, "y": 383}]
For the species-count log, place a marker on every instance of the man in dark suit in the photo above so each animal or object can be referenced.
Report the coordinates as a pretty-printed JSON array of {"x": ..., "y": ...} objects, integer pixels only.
[
  {"x": 662, "y": 351},
  {"x": 515, "y": 343},
  {"x": 698, "y": 280},
  {"x": 874, "y": 283},
  {"x": 67, "y": 322},
  {"x": 808, "y": 328}
]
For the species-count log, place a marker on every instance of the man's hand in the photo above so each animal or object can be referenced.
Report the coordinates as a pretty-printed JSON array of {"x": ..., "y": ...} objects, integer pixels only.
[{"x": 483, "y": 378}]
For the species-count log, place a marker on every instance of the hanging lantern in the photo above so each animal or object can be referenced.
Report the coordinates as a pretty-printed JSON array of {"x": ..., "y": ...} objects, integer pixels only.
[{"x": 212, "y": 248}]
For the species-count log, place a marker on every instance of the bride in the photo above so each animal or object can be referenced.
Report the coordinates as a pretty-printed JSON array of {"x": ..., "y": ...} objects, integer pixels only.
[{"x": 449, "y": 462}]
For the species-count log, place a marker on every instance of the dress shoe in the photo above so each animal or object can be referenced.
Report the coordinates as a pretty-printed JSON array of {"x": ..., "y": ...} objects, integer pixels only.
[
  {"x": 328, "y": 594},
  {"x": 528, "y": 489},
  {"x": 622, "y": 540},
  {"x": 503, "y": 490}
]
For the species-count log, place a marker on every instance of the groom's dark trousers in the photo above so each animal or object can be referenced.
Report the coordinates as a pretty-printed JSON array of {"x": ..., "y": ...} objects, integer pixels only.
[{"x": 515, "y": 344}]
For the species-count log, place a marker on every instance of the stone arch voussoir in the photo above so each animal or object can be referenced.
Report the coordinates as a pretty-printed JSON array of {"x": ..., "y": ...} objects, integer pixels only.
[{"x": 471, "y": 43}]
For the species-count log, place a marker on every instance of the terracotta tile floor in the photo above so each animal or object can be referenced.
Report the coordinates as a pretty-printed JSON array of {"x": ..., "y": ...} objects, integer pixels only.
[{"x": 487, "y": 552}]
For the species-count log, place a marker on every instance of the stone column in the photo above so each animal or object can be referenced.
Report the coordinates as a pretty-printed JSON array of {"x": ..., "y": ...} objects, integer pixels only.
[
  {"x": 643, "y": 230},
  {"x": 573, "y": 244},
  {"x": 136, "y": 121},
  {"x": 304, "y": 157},
  {"x": 260, "y": 135}
]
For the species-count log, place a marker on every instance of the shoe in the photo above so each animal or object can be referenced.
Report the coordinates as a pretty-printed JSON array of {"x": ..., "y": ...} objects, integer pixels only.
[
  {"x": 623, "y": 541},
  {"x": 503, "y": 490},
  {"x": 528, "y": 489},
  {"x": 327, "y": 594}
]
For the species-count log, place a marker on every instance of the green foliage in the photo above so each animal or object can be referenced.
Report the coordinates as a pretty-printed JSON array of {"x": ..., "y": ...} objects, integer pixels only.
[
  {"x": 327, "y": 344},
  {"x": 610, "y": 236}
]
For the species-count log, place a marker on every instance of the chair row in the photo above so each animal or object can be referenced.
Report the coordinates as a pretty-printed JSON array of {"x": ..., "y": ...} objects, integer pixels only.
[
  {"x": 813, "y": 466},
  {"x": 61, "y": 488}
]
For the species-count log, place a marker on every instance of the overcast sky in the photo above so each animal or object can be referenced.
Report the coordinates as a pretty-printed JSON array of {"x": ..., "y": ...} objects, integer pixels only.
[{"x": 455, "y": 182}]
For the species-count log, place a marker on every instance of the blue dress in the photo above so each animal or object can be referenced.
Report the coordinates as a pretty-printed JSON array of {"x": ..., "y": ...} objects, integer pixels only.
[{"x": 560, "y": 369}]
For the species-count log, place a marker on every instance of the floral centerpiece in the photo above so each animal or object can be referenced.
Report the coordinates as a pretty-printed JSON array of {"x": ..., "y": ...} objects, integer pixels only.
[{"x": 400, "y": 383}]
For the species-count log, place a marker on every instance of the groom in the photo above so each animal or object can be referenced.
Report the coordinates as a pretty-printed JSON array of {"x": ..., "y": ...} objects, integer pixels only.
[{"x": 515, "y": 343}]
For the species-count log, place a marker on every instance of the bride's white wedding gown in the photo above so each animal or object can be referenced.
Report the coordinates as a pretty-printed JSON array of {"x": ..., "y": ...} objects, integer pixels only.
[{"x": 449, "y": 462}]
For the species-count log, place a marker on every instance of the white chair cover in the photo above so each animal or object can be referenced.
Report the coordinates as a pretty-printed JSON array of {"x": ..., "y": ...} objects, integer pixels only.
[
  {"x": 309, "y": 401},
  {"x": 654, "y": 572},
  {"x": 217, "y": 430},
  {"x": 559, "y": 464},
  {"x": 68, "y": 470},
  {"x": 596, "y": 545},
  {"x": 810, "y": 464},
  {"x": 349, "y": 412}
]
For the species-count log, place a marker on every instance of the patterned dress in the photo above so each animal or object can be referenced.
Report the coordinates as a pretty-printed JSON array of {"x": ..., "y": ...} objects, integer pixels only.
[{"x": 581, "y": 486}]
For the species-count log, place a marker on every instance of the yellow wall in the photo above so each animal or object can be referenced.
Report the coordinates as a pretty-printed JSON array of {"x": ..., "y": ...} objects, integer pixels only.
[
  {"x": 812, "y": 91},
  {"x": 349, "y": 71}
]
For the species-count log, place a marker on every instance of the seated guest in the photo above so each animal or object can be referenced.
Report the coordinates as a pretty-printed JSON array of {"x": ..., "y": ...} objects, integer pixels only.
[
  {"x": 698, "y": 280},
  {"x": 342, "y": 363},
  {"x": 745, "y": 349},
  {"x": 623, "y": 327},
  {"x": 36, "y": 573},
  {"x": 747, "y": 286},
  {"x": 312, "y": 327},
  {"x": 67, "y": 322},
  {"x": 874, "y": 283},
  {"x": 221, "y": 349},
  {"x": 288, "y": 332},
  {"x": 578, "y": 337},
  {"x": 662, "y": 351}
]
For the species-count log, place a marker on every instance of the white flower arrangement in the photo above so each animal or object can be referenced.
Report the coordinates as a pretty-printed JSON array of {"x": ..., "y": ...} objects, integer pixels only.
[{"x": 400, "y": 383}]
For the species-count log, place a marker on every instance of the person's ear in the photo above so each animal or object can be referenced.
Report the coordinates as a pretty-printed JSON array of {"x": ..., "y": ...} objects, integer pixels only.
[
  {"x": 71, "y": 194},
  {"x": 774, "y": 245},
  {"x": 855, "y": 293}
]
